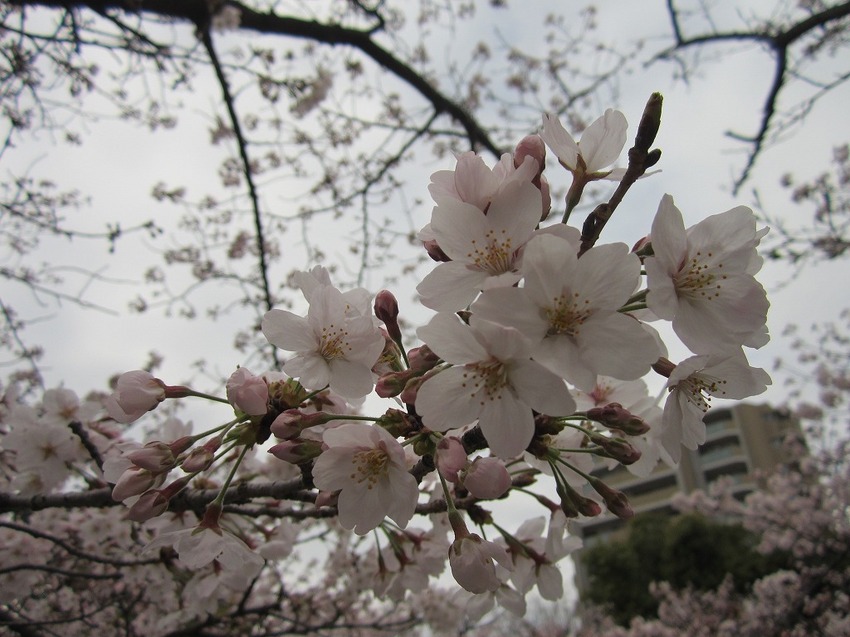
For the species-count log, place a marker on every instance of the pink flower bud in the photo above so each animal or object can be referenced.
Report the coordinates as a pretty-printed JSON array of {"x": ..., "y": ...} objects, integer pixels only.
[
  {"x": 292, "y": 422},
  {"x": 156, "y": 457},
  {"x": 451, "y": 457},
  {"x": 135, "y": 394},
  {"x": 150, "y": 505},
  {"x": 614, "y": 416},
  {"x": 392, "y": 383},
  {"x": 573, "y": 503},
  {"x": 201, "y": 458},
  {"x": 132, "y": 482},
  {"x": 247, "y": 392},
  {"x": 487, "y": 478},
  {"x": 296, "y": 451},
  {"x": 615, "y": 500},
  {"x": 531, "y": 146},
  {"x": 386, "y": 309},
  {"x": 422, "y": 358},
  {"x": 617, "y": 448}
]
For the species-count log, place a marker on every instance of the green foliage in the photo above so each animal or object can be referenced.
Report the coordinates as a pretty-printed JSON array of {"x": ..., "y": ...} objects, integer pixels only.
[{"x": 684, "y": 550}]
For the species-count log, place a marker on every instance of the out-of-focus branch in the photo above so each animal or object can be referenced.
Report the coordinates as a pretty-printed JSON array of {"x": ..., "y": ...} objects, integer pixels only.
[
  {"x": 227, "y": 96},
  {"x": 779, "y": 42},
  {"x": 197, "y": 12}
]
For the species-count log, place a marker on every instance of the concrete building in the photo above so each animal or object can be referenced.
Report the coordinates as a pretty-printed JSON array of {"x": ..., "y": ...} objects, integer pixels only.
[{"x": 742, "y": 442}]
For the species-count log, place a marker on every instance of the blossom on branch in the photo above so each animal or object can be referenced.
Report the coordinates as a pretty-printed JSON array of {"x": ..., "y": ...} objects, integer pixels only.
[
  {"x": 368, "y": 466},
  {"x": 702, "y": 279},
  {"x": 599, "y": 147},
  {"x": 569, "y": 308},
  {"x": 493, "y": 380},
  {"x": 334, "y": 348},
  {"x": 692, "y": 384},
  {"x": 483, "y": 248}
]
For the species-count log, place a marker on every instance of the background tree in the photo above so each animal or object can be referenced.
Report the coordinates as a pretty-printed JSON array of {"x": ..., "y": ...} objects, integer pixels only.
[{"x": 684, "y": 551}]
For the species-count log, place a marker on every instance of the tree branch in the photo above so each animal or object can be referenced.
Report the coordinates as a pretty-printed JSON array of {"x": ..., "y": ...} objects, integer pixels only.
[{"x": 197, "y": 12}]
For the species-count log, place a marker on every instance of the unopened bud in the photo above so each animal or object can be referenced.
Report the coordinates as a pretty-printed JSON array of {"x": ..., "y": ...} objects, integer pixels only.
[
  {"x": 411, "y": 389},
  {"x": 386, "y": 309},
  {"x": 201, "y": 458},
  {"x": 156, "y": 457},
  {"x": 396, "y": 422},
  {"x": 292, "y": 422},
  {"x": 422, "y": 358},
  {"x": 247, "y": 392},
  {"x": 297, "y": 451},
  {"x": 615, "y": 500},
  {"x": 392, "y": 383},
  {"x": 617, "y": 448},
  {"x": 614, "y": 416},
  {"x": 450, "y": 457},
  {"x": 574, "y": 504},
  {"x": 487, "y": 478},
  {"x": 531, "y": 146},
  {"x": 649, "y": 124},
  {"x": 132, "y": 482},
  {"x": 150, "y": 505}
]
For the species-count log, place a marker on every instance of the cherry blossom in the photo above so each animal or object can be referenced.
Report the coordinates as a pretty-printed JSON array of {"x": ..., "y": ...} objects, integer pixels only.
[
  {"x": 493, "y": 380},
  {"x": 201, "y": 545},
  {"x": 702, "y": 279},
  {"x": 474, "y": 183},
  {"x": 135, "y": 394},
  {"x": 569, "y": 306},
  {"x": 599, "y": 147},
  {"x": 248, "y": 392},
  {"x": 473, "y": 563},
  {"x": 692, "y": 384},
  {"x": 368, "y": 466},
  {"x": 484, "y": 248},
  {"x": 332, "y": 348}
]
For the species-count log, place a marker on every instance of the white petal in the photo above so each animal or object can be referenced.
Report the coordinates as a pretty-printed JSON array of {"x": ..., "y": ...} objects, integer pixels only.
[
  {"x": 451, "y": 340},
  {"x": 507, "y": 424},
  {"x": 603, "y": 141},
  {"x": 287, "y": 331},
  {"x": 541, "y": 389},
  {"x": 560, "y": 141},
  {"x": 450, "y": 286},
  {"x": 445, "y": 401}
]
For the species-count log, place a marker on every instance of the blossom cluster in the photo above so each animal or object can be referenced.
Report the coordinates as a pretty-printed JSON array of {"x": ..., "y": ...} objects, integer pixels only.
[{"x": 530, "y": 372}]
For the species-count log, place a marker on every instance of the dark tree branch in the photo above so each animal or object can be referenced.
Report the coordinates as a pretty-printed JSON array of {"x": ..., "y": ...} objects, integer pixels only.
[
  {"x": 246, "y": 169},
  {"x": 197, "y": 12},
  {"x": 779, "y": 42}
]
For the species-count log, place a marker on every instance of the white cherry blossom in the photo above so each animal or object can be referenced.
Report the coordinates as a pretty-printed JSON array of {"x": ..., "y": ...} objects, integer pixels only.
[
  {"x": 484, "y": 248},
  {"x": 493, "y": 380},
  {"x": 702, "y": 279},
  {"x": 599, "y": 147},
  {"x": 473, "y": 182},
  {"x": 693, "y": 383},
  {"x": 333, "y": 348},
  {"x": 569, "y": 306},
  {"x": 367, "y": 465}
]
